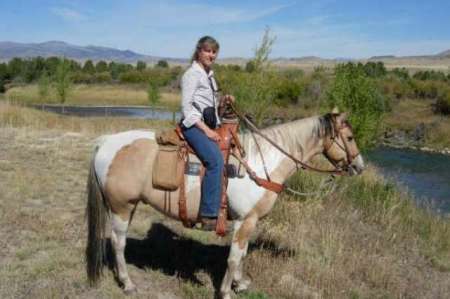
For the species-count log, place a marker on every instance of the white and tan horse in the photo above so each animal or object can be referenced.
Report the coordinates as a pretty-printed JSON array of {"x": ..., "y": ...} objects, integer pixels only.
[{"x": 121, "y": 177}]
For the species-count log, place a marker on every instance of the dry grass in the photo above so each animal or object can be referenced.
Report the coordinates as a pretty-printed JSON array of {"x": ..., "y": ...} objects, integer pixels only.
[
  {"x": 93, "y": 94},
  {"x": 365, "y": 241},
  {"x": 407, "y": 114}
]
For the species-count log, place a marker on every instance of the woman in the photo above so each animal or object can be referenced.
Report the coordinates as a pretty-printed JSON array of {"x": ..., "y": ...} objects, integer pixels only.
[{"x": 200, "y": 117}]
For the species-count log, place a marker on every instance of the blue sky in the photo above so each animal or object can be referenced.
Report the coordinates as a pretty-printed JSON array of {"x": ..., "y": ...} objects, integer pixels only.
[{"x": 324, "y": 28}]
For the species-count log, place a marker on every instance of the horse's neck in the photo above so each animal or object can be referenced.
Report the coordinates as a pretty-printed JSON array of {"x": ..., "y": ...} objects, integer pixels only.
[{"x": 299, "y": 138}]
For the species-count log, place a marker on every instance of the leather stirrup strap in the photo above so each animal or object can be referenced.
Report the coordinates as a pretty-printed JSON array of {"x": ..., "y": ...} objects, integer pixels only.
[
  {"x": 182, "y": 206},
  {"x": 221, "y": 226}
]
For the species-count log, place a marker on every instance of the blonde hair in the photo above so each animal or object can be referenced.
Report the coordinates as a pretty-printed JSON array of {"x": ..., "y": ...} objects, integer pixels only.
[{"x": 202, "y": 42}]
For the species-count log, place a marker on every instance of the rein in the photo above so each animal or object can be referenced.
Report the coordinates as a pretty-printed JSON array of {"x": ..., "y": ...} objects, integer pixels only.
[{"x": 297, "y": 162}]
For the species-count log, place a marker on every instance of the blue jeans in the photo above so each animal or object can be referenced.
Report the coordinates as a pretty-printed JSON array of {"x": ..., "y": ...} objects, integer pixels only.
[{"x": 209, "y": 153}]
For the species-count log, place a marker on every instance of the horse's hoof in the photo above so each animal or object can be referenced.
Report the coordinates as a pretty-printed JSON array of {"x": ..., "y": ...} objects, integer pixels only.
[
  {"x": 130, "y": 290},
  {"x": 241, "y": 285}
]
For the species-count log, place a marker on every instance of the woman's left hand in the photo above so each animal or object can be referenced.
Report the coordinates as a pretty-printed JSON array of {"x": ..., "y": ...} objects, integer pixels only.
[{"x": 228, "y": 98}]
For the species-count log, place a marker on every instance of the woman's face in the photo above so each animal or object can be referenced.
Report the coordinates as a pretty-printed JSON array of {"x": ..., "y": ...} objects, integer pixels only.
[{"x": 206, "y": 56}]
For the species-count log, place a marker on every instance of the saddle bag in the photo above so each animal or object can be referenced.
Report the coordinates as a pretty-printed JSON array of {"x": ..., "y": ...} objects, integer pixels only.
[{"x": 168, "y": 168}]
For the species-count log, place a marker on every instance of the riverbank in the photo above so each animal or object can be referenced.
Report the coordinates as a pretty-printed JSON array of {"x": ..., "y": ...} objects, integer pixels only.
[
  {"x": 412, "y": 124},
  {"x": 366, "y": 240}
]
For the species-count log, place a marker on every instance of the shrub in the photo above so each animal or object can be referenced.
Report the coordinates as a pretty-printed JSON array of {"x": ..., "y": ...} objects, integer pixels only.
[
  {"x": 430, "y": 75},
  {"x": 2, "y": 86},
  {"x": 162, "y": 64},
  {"x": 356, "y": 93},
  {"x": 102, "y": 77},
  {"x": 63, "y": 80},
  {"x": 442, "y": 105},
  {"x": 44, "y": 86},
  {"x": 153, "y": 92}
]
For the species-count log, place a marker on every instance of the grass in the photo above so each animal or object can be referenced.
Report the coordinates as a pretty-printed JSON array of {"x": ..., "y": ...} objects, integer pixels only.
[
  {"x": 93, "y": 95},
  {"x": 366, "y": 240}
]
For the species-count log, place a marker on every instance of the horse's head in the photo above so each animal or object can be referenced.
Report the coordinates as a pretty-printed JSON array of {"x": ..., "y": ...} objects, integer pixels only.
[{"x": 340, "y": 146}]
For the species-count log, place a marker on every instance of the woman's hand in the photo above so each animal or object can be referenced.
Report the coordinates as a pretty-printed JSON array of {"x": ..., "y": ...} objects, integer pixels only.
[
  {"x": 227, "y": 99},
  {"x": 211, "y": 134}
]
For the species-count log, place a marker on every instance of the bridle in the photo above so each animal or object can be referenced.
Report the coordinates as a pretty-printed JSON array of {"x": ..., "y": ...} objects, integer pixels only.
[{"x": 337, "y": 132}]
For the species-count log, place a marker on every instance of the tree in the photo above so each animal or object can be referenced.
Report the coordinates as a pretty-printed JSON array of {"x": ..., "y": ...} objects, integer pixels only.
[
  {"x": 89, "y": 67},
  {"x": 262, "y": 51},
  {"x": 44, "y": 86},
  {"x": 141, "y": 65},
  {"x": 63, "y": 80},
  {"x": 101, "y": 66},
  {"x": 15, "y": 67},
  {"x": 355, "y": 92},
  {"x": 162, "y": 64},
  {"x": 153, "y": 92}
]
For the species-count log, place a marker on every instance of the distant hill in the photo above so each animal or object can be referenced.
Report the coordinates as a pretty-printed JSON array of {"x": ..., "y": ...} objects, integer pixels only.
[
  {"x": 444, "y": 54},
  {"x": 8, "y": 50}
]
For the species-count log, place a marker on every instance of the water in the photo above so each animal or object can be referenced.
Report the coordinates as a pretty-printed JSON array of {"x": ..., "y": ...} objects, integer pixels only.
[
  {"x": 133, "y": 112},
  {"x": 425, "y": 175}
]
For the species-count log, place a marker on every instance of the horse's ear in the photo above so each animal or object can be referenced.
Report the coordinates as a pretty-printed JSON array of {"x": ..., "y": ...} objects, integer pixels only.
[
  {"x": 341, "y": 118},
  {"x": 335, "y": 110}
]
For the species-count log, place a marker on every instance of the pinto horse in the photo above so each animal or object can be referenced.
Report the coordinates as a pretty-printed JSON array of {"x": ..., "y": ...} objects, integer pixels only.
[{"x": 121, "y": 177}]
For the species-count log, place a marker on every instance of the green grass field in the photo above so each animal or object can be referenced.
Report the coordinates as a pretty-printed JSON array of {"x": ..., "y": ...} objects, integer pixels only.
[{"x": 366, "y": 240}]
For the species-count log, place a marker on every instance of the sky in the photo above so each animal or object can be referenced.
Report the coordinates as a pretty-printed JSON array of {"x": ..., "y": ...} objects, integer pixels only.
[{"x": 324, "y": 28}]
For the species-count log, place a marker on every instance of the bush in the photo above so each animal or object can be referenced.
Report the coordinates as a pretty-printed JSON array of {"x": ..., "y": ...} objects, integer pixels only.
[
  {"x": 162, "y": 64},
  {"x": 442, "y": 105},
  {"x": 153, "y": 93},
  {"x": 2, "y": 86},
  {"x": 103, "y": 77},
  {"x": 63, "y": 80},
  {"x": 354, "y": 92}
]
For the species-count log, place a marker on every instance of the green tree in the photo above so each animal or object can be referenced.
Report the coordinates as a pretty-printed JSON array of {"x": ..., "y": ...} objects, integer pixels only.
[
  {"x": 4, "y": 74},
  {"x": 263, "y": 51},
  {"x": 162, "y": 64},
  {"x": 101, "y": 66},
  {"x": 355, "y": 92},
  {"x": 153, "y": 93},
  {"x": 44, "y": 86},
  {"x": 15, "y": 67},
  {"x": 63, "y": 80},
  {"x": 141, "y": 66},
  {"x": 51, "y": 63},
  {"x": 2, "y": 86},
  {"x": 88, "y": 67}
]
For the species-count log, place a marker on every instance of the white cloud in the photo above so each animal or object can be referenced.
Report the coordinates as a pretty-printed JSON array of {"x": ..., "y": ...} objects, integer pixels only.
[{"x": 68, "y": 14}]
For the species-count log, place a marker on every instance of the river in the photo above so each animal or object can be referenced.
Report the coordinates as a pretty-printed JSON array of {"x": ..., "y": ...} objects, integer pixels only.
[{"x": 424, "y": 175}]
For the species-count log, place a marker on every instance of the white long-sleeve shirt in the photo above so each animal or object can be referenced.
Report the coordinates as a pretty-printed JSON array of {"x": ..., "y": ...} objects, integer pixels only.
[{"x": 198, "y": 87}]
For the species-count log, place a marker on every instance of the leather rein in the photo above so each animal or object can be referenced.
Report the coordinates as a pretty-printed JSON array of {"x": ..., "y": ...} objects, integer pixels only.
[{"x": 277, "y": 187}]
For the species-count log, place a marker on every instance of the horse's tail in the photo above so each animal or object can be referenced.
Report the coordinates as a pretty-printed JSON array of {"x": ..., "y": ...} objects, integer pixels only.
[{"x": 97, "y": 213}]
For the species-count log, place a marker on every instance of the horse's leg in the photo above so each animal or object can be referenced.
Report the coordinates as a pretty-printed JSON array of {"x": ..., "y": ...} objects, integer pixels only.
[
  {"x": 239, "y": 281},
  {"x": 119, "y": 239},
  {"x": 238, "y": 249}
]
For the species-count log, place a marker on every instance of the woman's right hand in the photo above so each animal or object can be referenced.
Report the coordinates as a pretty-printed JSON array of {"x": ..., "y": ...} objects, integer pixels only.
[{"x": 212, "y": 135}]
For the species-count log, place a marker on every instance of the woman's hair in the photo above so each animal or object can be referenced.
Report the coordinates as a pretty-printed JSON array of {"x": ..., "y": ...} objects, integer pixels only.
[{"x": 202, "y": 42}]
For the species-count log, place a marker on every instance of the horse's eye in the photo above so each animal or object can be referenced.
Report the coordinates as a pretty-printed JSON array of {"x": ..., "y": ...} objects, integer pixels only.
[{"x": 350, "y": 138}]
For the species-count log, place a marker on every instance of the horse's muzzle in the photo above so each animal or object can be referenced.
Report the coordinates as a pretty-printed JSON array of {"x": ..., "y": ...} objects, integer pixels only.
[{"x": 357, "y": 166}]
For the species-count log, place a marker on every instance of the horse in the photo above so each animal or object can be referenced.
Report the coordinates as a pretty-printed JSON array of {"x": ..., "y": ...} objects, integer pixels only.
[{"x": 120, "y": 177}]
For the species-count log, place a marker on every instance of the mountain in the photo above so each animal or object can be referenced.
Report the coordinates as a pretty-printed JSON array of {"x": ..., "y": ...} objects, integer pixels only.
[
  {"x": 444, "y": 54},
  {"x": 9, "y": 50}
]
